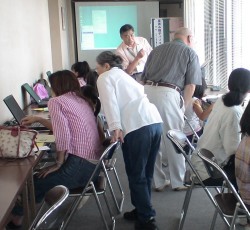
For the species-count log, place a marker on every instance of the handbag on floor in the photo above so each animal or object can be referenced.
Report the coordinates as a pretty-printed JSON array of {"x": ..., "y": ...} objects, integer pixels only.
[{"x": 16, "y": 142}]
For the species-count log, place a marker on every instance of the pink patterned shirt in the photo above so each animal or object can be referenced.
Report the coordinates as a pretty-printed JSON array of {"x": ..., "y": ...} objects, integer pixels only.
[
  {"x": 74, "y": 126},
  {"x": 242, "y": 169}
]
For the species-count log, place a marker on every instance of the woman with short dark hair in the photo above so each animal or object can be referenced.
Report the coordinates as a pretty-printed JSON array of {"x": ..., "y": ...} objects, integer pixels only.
[{"x": 81, "y": 70}]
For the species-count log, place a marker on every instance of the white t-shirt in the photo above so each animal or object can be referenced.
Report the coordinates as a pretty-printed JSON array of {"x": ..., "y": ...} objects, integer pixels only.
[
  {"x": 221, "y": 135},
  {"x": 192, "y": 118}
]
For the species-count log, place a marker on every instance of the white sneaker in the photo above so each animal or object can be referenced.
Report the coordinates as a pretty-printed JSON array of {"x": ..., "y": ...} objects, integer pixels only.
[
  {"x": 162, "y": 188},
  {"x": 83, "y": 202},
  {"x": 242, "y": 221},
  {"x": 182, "y": 188}
]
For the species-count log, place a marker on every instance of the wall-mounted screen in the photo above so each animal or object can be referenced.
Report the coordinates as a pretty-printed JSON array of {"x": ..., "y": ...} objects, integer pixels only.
[{"x": 98, "y": 25}]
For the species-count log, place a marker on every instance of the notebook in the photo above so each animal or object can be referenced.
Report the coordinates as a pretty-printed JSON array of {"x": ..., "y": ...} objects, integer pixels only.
[
  {"x": 32, "y": 93},
  {"x": 18, "y": 113}
]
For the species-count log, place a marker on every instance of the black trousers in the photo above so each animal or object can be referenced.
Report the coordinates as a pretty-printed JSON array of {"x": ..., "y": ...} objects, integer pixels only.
[{"x": 229, "y": 169}]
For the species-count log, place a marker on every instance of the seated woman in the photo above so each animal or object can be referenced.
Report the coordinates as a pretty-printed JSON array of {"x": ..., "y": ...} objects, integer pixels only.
[
  {"x": 242, "y": 159},
  {"x": 221, "y": 133},
  {"x": 87, "y": 90},
  {"x": 76, "y": 136},
  {"x": 81, "y": 69},
  {"x": 195, "y": 113}
]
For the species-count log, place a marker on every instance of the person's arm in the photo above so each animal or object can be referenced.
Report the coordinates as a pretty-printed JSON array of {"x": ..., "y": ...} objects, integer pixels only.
[
  {"x": 202, "y": 114},
  {"x": 132, "y": 66},
  {"x": 188, "y": 93},
  {"x": 52, "y": 168},
  {"x": 117, "y": 136},
  {"x": 28, "y": 120}
]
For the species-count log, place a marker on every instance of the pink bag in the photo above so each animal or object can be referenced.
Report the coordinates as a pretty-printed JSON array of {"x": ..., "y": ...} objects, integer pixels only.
[{"x": 41, "y": 91}]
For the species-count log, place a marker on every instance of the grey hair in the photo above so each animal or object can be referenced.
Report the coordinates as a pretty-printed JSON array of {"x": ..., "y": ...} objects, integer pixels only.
[
  {"x": 183, "y": 31},
  {"x": 108, "y": 57}
]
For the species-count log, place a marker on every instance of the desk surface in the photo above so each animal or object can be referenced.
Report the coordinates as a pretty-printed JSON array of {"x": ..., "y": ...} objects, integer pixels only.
[{"x": 13, "y": 176}]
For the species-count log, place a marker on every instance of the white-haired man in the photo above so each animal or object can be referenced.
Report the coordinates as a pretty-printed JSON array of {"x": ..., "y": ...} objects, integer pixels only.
[{"x": 171, "y": 72}]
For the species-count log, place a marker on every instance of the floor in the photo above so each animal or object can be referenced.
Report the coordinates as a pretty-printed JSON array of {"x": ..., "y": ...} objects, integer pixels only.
[{"x": 167, "y": 204}]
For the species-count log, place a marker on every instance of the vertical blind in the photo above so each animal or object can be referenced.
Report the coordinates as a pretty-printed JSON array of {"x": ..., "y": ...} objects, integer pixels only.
[
  {"x": 216, "y": 69},
  {"x": 225, "y": 38}
]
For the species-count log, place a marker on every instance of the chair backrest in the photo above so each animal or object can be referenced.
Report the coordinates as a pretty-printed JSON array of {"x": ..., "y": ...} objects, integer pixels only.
[
  {"x": 105, "y": 155},
  {"x": 208, "y": 158},
  {"x": 111, "y": 151},
  {"x": 179, "y": 140},
  {"x": 53, "y": 199},
  {"x": 215, "y": 170},
  {"x": 191, "y": 127}
]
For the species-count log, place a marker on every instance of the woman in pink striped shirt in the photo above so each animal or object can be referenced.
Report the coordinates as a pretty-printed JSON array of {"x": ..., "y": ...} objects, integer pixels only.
[
  {"x": 76, "y": 136},
  {"x": 75, "y": 130}
]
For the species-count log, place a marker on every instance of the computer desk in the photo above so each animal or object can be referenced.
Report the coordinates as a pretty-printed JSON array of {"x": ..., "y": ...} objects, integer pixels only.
[{"x": 16, "y": 177}]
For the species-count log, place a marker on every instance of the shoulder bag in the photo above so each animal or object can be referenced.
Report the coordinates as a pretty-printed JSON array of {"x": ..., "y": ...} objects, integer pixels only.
[{"x": 16, "y": 141}]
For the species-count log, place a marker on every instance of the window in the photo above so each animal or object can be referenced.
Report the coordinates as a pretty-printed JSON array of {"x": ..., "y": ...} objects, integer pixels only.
[{"x": 224, "y": 25}]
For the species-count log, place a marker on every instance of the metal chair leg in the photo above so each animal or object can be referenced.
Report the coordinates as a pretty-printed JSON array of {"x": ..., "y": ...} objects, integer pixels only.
[
  {"x": 120, "y": 205},
  {"x": 99, "y": 206},
  {"x": 185, "y": 205}
]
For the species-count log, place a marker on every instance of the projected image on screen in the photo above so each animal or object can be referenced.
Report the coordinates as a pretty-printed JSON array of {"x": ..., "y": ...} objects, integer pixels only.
[{"x": 100, "y": 25}]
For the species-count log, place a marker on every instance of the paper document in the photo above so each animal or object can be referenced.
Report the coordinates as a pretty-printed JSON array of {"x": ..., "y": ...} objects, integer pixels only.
[
  {"x": 45, "y": 138},
  {"x": 43, "y": 148},
  {"x": 41, "y": 109}
]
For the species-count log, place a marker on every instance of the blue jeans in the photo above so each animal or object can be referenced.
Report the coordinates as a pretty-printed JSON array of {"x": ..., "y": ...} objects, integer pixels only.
[
  {"x": 140, "y": 148},
  {"x": 75, "y": 172}
]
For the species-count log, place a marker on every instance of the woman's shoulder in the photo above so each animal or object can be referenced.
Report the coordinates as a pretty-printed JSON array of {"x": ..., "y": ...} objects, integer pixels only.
[{"x": 65, "y": 98}]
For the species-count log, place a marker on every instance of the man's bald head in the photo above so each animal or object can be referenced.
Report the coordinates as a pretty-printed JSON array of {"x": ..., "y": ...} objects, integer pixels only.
[{"x": 185, "y": 34}]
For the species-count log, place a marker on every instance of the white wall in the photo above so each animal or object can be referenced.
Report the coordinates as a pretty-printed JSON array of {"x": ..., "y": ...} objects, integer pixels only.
[
  {"x": 61, "y": 36},
  {"x": 25, "y": 47}
]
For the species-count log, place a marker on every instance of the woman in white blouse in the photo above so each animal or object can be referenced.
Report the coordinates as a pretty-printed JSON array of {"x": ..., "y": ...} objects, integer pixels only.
[
  {"x": 221, "y": 133},
  {"x": 137, "y": 123}
]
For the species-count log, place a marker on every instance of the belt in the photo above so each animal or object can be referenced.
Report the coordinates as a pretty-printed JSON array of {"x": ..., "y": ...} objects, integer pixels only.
[
  {"x": 134, "y": 74},
  {"x": 164, "y": 84}
]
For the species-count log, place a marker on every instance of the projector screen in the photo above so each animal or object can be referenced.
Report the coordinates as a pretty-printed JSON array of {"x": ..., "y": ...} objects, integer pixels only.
[{"x": 98, "y": 25}]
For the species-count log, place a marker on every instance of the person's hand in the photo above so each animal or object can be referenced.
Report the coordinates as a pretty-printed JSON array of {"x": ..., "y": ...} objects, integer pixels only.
[
  {"x": 140, "y": 54},
  {"x": 117, "y": 136},
  {"x": 46, "y": 171},
  {"x": 28, "y": 120}
]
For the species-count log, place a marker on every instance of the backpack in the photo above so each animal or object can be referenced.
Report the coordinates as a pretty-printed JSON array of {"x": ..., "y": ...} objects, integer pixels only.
[{"x": 42, "y": 89}]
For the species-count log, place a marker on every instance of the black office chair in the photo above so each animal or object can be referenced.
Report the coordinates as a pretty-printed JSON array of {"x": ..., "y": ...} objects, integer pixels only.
[
  {"x": 95, "y": 189},
  {"x": 46, "y": 218},
  {"x": 230, "y": 203},
  {"x": 179, "y": 140}
]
